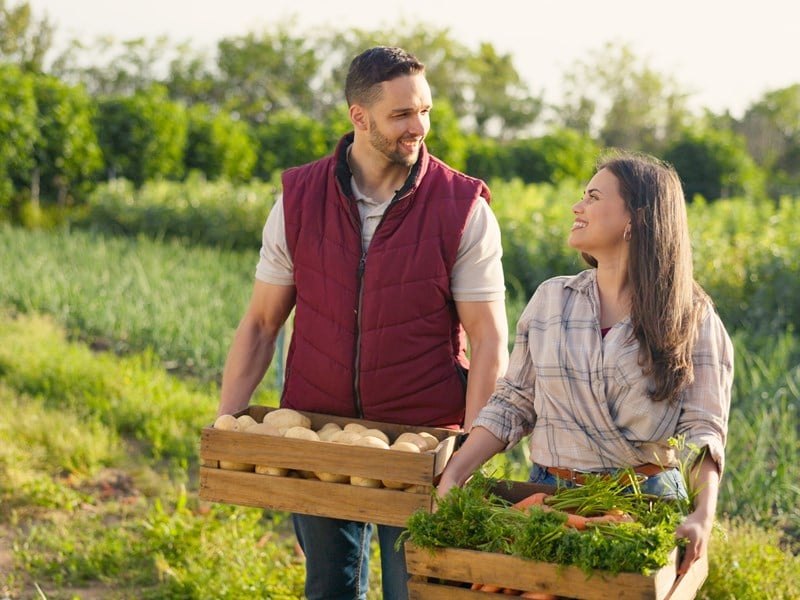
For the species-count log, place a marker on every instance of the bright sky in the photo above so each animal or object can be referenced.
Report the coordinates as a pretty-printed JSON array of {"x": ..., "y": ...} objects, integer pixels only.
[{"x": 725, "y": 53}]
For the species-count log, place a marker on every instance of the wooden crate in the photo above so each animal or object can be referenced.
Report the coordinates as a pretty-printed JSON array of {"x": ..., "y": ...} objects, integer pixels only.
[
  {"x": 442, "y": 575},
  {"x": 315, "y": 497},
  {"x": 447, "y": 573}
]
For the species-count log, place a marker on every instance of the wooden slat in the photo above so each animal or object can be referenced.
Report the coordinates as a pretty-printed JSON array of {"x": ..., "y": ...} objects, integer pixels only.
[
  {"x": 312, "y": 497},
  {"x": 508, "y": 571},
  {"x": 686, "y": 585},
  {"x": 304, "y": 455}
]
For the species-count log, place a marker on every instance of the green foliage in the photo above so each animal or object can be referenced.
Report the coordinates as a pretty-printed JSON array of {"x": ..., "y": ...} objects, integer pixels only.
[
  {"x": 748, "y": 561},
  {"x": 287, "y": 139},
  {"x": 196, "y": 211},
  {"x": 476, "y": 517},
  {"x": 553, "y": 158},
  {"x": 24, "y": 39},
  {"x": 18, "y": 131},
  {"x": 219, "y": 145},
  {"x": 143, "y": 135},
  {"x": 534, "y": 222},
  {"x": 446, "y": 140},
  {"x": 67, "y": 153},
  {"x": 35, "y": 360},
  {"x": 714, "y": 164}
]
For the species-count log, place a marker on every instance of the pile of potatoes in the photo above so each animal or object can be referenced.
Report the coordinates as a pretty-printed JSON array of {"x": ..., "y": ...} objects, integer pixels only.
[{"x": 288, "y": 423}]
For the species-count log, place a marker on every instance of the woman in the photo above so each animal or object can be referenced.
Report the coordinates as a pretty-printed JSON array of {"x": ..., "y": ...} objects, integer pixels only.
[{"x": 611, "y": 364}]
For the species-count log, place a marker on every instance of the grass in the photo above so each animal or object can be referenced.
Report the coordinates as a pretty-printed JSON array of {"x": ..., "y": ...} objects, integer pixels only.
[
  {"x": 87, "y": 507},
  {"x": 98, "y": 450}
]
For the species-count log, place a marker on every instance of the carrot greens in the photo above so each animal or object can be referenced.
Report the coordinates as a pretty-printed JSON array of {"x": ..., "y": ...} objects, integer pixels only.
[{"x": 475, "y": 517}]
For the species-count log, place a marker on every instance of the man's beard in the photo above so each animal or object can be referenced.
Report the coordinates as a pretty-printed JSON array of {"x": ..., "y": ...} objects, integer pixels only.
[{"x": 390, "y": 150}]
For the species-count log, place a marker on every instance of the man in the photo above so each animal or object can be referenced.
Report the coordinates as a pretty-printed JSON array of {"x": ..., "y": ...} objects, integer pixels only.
[{"x": 389, "y": 257}]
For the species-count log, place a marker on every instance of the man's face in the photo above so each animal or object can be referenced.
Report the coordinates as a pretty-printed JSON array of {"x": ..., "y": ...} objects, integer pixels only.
[{"x": 400, "y": 120}]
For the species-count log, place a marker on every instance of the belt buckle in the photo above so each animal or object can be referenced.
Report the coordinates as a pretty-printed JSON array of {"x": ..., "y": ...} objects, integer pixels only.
[{"x": 575, "y": 473}]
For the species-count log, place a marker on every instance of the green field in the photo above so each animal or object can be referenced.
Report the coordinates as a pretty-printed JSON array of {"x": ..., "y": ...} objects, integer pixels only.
[{"x": 111, "y": 348}]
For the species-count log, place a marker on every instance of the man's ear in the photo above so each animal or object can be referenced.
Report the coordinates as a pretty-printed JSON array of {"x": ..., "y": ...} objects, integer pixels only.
[{"x": 358, "y": 117}]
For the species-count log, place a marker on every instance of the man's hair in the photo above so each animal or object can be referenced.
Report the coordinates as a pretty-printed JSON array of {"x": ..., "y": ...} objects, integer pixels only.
[{"x": 374, "y": 66}]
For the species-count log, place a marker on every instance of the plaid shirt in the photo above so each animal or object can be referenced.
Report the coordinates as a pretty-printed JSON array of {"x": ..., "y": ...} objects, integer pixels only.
[{"x": 583, "y": 398}]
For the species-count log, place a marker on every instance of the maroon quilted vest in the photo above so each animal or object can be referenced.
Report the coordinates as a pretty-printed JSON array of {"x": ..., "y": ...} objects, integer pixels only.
[{"x": 377, "y": 336}]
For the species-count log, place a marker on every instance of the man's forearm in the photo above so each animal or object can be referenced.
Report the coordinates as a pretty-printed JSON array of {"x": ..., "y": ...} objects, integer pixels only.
[{"x": 248, "y": 359}]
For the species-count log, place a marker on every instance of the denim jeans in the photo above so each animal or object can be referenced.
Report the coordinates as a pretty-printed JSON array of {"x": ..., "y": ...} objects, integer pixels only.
[
  {"x": 667, "y": 484},
  {"x": 337, "y": 558}
]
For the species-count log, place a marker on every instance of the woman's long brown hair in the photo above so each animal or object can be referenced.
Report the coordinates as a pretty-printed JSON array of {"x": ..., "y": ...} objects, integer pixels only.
[{"x": 667, "y": 304}]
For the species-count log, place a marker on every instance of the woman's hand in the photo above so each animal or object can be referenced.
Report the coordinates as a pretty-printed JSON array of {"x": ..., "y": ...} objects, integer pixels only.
[{"x": 696, "y": 527}]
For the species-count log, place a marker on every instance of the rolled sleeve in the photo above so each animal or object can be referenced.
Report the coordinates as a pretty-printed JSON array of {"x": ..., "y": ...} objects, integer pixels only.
[
  {"x": 706, "y": 405},
  {"x": 509, "y": 414}
]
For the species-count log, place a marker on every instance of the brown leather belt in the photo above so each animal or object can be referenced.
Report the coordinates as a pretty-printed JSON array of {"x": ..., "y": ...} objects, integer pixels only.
[{"x": 579, "y": 477}]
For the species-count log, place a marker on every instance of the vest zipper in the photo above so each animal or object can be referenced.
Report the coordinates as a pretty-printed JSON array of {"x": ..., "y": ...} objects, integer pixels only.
[
  {"x": 356, "y": 367},
  {"x": 362, "y": 264}
]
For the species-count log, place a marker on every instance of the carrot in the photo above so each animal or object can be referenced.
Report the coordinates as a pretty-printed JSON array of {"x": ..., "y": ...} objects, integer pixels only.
[
  {"x": 511, "y": 592},
  {"x": 538, "y": 596},
  {"x": 575, "y": 521},
  {"x": 612, "y": 516},
  {"x": 491, "y": 588},
  {"x": 476, "y": 586},
  {"x": 536, "y": 499}
]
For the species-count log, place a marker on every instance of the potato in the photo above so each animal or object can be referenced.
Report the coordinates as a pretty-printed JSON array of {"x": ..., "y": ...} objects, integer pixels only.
[
  {"x": 431, "y": 439},
  {"x": 276, "y": 471},
  {"x": 245, "y": 422},
  {"x": 376, "y": 433},
  {"x": 235, "y": 466},
  {"x": 365, "y": 482},
  {"x": 401, "y": 447},
  {"x": 332, "y": 477},
  {"x": 286, "y": 418},
  {"x": 230, "y": 423},
  {"x": 371, "y": 442},
  {"x": 414, "y": 438},
  {"x": 357, "y": 427},
  {"x": 264, "y": 429},
  {"x": 328, "y": 431},
  {"x": 226, "y": 423},
  {"x": 345, "y": 437},
  {"x": 301, "y": 433}
]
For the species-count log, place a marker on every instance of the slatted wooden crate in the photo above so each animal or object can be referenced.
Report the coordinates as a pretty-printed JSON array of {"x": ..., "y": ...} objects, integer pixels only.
[
  {"x": 312, "y": 496},
  {"x": 446, "y": 574}
]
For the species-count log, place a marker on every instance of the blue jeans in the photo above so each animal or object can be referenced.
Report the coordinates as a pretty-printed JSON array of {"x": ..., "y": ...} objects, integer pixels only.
[
  {"x": 667, "y": 484},
  {"x": 337, "y": 558}
]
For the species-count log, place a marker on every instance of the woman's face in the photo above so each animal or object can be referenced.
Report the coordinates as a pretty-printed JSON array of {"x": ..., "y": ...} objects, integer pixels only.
[{"x": 601, "y": 218}]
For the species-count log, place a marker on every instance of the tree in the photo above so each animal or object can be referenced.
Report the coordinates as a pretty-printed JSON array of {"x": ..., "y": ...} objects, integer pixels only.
[
  {"x": 24, "y": 40},
  {"x": 771, "y": 127},
  {"x": 554, "y": 157},
  {"x": 66, "y": 151},
  {"x": 623, "y": 102},
  {"x": 143, "y": 136},
  {"x": 500, "y": 101},
  {"x": 261, "y": 74},
  {"x": 714, "y": 164},
  {"x": 287, "y": 139},
  {"x": 127, "y": 67},
  {"x": 18, "y": 131},
  {"x": 219, "y": 145}
]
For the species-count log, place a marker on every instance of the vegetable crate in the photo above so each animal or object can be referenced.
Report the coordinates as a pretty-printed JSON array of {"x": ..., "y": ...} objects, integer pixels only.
[
  {"x": 301, "y": 492},
  {"x": 447, "y": 573}
]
